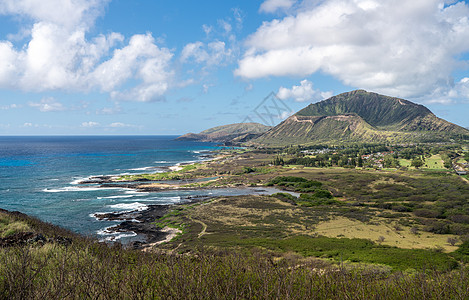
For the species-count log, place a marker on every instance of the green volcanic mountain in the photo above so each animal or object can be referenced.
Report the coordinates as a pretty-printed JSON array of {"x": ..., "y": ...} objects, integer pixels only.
[
  {"x": 238, "y": 132},
  {"x": 361, "y": 116}
]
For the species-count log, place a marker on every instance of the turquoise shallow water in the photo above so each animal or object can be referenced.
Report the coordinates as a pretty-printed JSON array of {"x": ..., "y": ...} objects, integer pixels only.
[{"x": 38, "y": 175}]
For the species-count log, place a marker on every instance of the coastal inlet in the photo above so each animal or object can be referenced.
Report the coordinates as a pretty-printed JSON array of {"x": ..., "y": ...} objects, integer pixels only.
[
  {"x": 136, "y": 219},
  {"x": 40, "y": 176}
]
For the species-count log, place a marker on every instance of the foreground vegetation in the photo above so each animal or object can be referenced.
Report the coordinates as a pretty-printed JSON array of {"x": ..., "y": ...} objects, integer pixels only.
[
  {"x": 85, "y": 269},
  {"x": 333, "y": 232}
]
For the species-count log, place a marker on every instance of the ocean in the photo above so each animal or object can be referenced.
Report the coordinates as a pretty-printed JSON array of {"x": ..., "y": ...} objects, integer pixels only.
[{"x": 39, "y": 175}]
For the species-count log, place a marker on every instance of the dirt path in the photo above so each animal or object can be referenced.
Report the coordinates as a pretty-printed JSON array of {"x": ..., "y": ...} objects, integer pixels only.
[
  {"x": 172, "y": 232},
  {"x": 204, "y": 227}
]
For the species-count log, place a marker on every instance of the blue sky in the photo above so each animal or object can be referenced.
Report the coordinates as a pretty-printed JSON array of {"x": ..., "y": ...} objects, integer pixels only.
[{"x": 171, "y": 67}]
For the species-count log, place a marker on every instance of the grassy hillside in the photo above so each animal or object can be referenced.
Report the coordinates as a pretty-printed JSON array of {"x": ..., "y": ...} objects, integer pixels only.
[
  {"x": 377, "y": 110},
  {"x": 320, "y": 129},
  {"x": 84, "y": 269},
  {"x": 226, "y": 133},
  {"x": 237, "y": 128},
  {"x": 360, "y": 116}
]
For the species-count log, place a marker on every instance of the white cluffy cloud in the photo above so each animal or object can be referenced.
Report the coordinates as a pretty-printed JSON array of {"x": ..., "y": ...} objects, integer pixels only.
[
  {"x": 221, "y": 48},
  {"x": 122, "y": 125},
  {"x": 270, "y": 6},
  {"x": 48, "y": 104},
  {"x": 213, "y": 53},
  {"x": 303, "y": 92},
  {"x": 403, "y": 48},
  {"x": 90, "y": 124},
  {"x": 66, "y": 13},
  {"x": 112, "y": 126},
  {"x": 10, "y": 106},
  {"x": 144, "y": 61},
  {"x": 58, "y": 56}
]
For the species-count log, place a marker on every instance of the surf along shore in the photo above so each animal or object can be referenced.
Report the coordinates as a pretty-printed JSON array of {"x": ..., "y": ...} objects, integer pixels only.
[
  {"x": 220, "y": 173},
  {"x": 338, "y": 216},
  {"x": 230, "y": 206}
]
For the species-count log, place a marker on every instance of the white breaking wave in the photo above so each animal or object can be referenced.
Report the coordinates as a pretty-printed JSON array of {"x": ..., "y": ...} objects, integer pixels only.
[
  {"x": 199, "y": 151},
  {"x": 118, "y": 236},
  {"x": 116, "y": 197},
  {"x": 78, "y": 189},
  {"x": 186, "y": 162},
  {"x": 78, "y": 180},
  {"x": 96, "y": 214},
  {"x": 129, "y": 206},
  {"x": 112, "y": 236},
  {"x": 137, "y": 193},
  {"x": 143, "y": 169},
  {"x": 173, "y": 199},
  {"x": 105, "y": 231},
  {"x": 161, "y": 162},
  {"x": 163, "y": 200}
]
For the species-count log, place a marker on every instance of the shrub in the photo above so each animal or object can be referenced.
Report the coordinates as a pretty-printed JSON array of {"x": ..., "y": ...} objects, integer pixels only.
[
  {"x": 306, "y": 190},
  {"x": 389, "y": 215},
  {"x": 309, "y": 184},
  {"x": 401, "y": 208},
  {"x": 426, "y": 213},
  {"x": 417, "y": 162},
  {"x": 280, "y": 179},
  {"x": 464, "y": 219},
  {"x": 459, "y": 229},
  {"x": 299, "y": 184},
  {"x": 286, "y": 197},
  {"x": 322, "y": 194},
  {"x": 452, "y": 241},
  {"x": 384, "y": 205},
  {"x": 315, "y": 200},
  {"x": 248, "y": 170},
  {"x": 437, "y": 227},
  {"x": 464, "y": 248}
]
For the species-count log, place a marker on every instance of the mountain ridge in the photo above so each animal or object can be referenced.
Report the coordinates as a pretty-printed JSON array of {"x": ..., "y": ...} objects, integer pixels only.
[
  {"x": 237, "y": 132},
  {"x": 361, "y": 116},
  {"x": 377, "y": 110}
]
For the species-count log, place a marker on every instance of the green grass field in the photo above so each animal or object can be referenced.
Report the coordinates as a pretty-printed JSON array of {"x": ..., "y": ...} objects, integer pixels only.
[
  {"x": 404, "y": 162},
  {"x": 434, "y": 162}
]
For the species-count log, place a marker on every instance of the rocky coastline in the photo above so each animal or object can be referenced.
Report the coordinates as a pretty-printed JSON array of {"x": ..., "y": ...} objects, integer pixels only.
[{"x": 142, "y": 222}]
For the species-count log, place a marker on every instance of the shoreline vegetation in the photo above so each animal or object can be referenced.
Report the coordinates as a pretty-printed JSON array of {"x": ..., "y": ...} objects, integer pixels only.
[
  {"x": 333, "y": 231},
  {"x": 253, "y": 168}
]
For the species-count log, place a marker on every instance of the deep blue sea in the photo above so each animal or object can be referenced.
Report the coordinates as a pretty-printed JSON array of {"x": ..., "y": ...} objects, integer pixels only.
[{"x": 39, "y": 175}]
